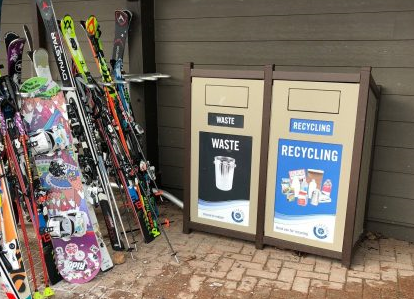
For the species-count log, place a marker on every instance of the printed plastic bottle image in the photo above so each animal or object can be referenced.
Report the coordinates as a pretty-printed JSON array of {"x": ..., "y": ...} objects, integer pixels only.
[
  {"x": 296, "y": 186},
  {"x": 224, "y": 167},
  {"x": 327, "y": 187},
  {"x": 312, "y": 188}
]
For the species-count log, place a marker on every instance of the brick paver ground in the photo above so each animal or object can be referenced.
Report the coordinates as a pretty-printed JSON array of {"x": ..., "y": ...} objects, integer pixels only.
[{"x": 218, "y": 267}]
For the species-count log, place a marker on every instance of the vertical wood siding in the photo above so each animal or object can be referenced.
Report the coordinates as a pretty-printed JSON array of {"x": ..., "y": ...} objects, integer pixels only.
[{"x": 323, "y": 35}]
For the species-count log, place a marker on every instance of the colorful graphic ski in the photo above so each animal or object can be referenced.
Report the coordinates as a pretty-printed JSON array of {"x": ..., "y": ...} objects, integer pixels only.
[
  {"x": 12, "y": 272},
  {"x": 77, "y": 252}
]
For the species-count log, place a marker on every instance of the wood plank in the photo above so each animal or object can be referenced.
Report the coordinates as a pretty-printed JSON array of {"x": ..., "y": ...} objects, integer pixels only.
[
  {"x": 395, "y": 134},
  {"x": 392, "y": 184},
  {"x": 15, "y": 2},
  {"x": 81, "y": 10},
  {"x": 292, "y": 53},
  {"x": 397, "y": 108},
  {"x": 393, "y": 159},
  {"x": 170, "y": 96},
  {"x": 359, "y": 26},
  {"x": 391, "y": 209},
  {"x": 395, "y": 231},
  {"x": 220, "y": 8},
  {"x": 17, "y": 13},
  {"x": 392, "y": 80},
  {"x": 171, "y": 156},
  {"x": 172, "y": 137},
  {"x": 171, "y": 176},
  {"x": 171, "y": 117},
  {"x": 15, "y": 27}
]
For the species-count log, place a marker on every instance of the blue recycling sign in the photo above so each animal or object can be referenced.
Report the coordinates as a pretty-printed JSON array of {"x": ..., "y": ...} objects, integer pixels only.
[{"x": 306, "y": 193}]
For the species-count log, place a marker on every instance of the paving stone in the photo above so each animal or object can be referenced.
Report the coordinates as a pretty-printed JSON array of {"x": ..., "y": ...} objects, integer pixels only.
[
  {"x": 195, "y": 283},
  {"x": 326, "y": 284},
  {"x": 236, "y": 274},
  {"x": 248, "y": 265},
  {"x": 287, "y": 275},
  {"x": 249, "y": 249},
  {"x": 308, "y": 274},
  {"x": 284, "y": 255},
  {"x": 405, "y": 273},
  {"x": 184, "y": 295},
  {"x": 273, "y": 265},
  {"x": 389, "y": 275},
  {"x": 322, "y": 265},
  {"x": 366, "y": 275},
  {"x": 247, "y": 284},
  {"x": 230, "y": 285},
  {"x": 372, "y": 266},
  {"x": 212, "y": 273},
  {"x": 395, "y": 265},
  {"x": 338, "y": 275},
  {"x": 223, "y": 248},
  {"x": 404, "y": 258},
  {"x": 378, "y": 257},
  {"x": 301, "y": 284},
  {"x": 274, "y": 284},
  {"x": 260, "y": 257},
  {"x": 212, "y": 257},
  {"x": 351, "y": 280},
  {"x": 199, "y": 264},
  {"x": 309, "y": 259},
  {"x": 371, "y": 292},
  {"x": 240, "y": 257},
  {"x": 261, "y": 293},
  {"x": 406, "y": 287},
  {"x": 261, "y": 273},
  {"x": 298, "y": 266},
  {"x": 284, "y": 294},
  {"x": 224, "y": 264},
  {"x": 316, "y": 293}
]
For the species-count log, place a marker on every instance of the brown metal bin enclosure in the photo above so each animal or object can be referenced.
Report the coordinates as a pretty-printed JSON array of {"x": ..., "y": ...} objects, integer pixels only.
[
  {"x": 223, "y": 138},
  {"x": 319, "y": 156}
]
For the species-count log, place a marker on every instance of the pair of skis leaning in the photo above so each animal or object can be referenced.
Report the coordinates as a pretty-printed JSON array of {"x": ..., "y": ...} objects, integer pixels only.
[{"x": 105, "y": 111}]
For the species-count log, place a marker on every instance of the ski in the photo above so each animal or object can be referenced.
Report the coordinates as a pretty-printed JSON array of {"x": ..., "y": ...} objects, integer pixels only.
[
  {"x": 122, "y": 21},
  {"x": 12, "y": 272},
  {"x": 107, "y": 199},
  {"x": 145, "y": 203},
  {"x": 96, "y": 96}
]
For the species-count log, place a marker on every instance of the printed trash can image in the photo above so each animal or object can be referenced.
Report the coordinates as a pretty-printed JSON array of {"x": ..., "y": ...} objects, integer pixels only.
[{"x": 224, "y": 167}]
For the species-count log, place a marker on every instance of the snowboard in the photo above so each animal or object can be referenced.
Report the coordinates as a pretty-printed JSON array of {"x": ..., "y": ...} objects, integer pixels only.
[
  {"x": 78, "y": 257},
  {"x": 13, "y": 276}
]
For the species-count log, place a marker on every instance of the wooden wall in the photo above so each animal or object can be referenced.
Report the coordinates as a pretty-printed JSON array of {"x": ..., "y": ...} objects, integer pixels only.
[{"x": 320, "y": 35}]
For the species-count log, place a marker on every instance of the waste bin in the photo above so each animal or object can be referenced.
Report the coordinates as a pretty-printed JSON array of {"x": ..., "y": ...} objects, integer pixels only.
[
  {"x": 319, "y": 152},
  {"x": 223, "y": 131}
]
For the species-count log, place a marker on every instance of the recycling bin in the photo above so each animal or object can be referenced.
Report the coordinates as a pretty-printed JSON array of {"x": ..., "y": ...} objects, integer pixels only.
[
  {"x": 319, "y": 152},
  {"x": 223, "y": 131}
]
